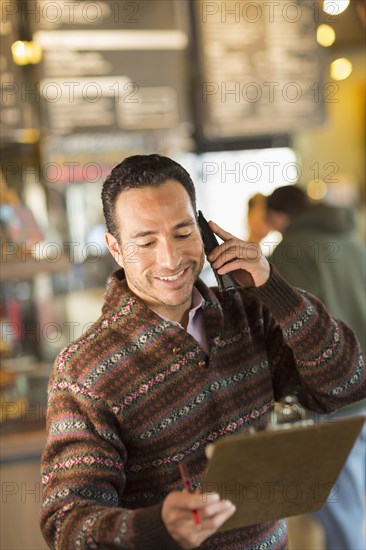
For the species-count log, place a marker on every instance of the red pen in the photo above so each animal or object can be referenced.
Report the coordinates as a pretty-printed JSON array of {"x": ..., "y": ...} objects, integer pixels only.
[{"x": 187, "y": 482}]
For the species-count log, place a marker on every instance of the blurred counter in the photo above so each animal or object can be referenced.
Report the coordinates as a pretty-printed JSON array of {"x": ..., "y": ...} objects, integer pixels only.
[{"x": 21, "y": 491}]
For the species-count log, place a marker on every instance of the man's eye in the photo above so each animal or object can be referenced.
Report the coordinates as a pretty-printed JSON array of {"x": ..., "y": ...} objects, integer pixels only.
[
  {"x": 145, "y": 245},
  {"x": 185, "y": 236}
]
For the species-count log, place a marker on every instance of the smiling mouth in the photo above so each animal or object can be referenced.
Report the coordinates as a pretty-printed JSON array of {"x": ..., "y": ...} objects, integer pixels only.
[{"x": 173, "y": 277}]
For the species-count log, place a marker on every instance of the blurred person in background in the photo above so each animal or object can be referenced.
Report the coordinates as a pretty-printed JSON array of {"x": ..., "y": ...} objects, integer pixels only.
[
  {"x": 170, "y": 366},
  {"x": 258, "y": 226},
  {"x": 321, "y": 253}
]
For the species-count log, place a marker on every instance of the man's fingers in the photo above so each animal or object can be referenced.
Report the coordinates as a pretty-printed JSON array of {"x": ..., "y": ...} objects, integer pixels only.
[
  {"x": 244, "y": 260},
  {"x": 177, "y": 515},
  {"x": 216, "y": 509},
  {"x": 214, "y": 522},
  {"x": 208, "y": 513},
  {"x": 230, "y": 251},
  {"x": 184, "y": 500},
  {"x": 212, "y": 516},
  {"x": 210, "y": 523},
  {"x": 224, "y": 235},
  {"x": 222, "y": 248},
  {"x": 208, "y": 504}
]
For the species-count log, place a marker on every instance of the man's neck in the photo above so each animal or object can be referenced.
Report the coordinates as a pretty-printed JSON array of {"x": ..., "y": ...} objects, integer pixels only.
[{"x": 181, "y": 315}]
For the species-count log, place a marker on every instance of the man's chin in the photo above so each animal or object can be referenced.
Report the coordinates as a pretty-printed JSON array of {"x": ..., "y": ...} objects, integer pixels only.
[{"x": 176, "y": 298}]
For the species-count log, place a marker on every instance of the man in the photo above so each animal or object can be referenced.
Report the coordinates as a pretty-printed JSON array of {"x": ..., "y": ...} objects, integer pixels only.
[
  {"x": 170, "y": 367},
  {"x": 321, "y": 254}
]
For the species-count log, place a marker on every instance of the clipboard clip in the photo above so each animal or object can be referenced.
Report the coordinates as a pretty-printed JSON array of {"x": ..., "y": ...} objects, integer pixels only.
[{"x": 287, "y": 412}]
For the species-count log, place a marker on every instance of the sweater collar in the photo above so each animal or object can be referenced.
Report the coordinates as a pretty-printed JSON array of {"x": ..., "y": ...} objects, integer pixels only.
[
  {"x": 118, "y": 297},
  {"x": 118, "y": 294}
]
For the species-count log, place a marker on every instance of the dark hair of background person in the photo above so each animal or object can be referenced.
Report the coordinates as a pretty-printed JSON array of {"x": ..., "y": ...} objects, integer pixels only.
[
  {"x": 290, "y": 199},
  {"x": 140, "y": 171}
]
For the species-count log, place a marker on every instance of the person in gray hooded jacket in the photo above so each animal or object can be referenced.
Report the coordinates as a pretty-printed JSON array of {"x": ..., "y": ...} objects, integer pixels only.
[{"x": 321, "y": 253}]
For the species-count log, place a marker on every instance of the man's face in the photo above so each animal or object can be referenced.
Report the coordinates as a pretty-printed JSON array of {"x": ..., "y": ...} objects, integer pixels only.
[{"x": 160, "y": 247}]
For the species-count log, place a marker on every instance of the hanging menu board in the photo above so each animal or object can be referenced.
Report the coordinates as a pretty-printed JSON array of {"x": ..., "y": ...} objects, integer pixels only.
[
  {"x": 259, "y": 68},
  {"x": 110, "y": 65},
  {"x": 113, "y": 72}
]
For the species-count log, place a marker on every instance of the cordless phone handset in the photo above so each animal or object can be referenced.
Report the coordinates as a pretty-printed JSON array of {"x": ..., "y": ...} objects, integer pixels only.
[{"x": 225, "y": 282}]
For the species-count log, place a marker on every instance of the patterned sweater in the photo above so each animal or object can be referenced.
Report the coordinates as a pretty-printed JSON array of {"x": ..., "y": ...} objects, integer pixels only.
[{"x": 135, "y": 395}]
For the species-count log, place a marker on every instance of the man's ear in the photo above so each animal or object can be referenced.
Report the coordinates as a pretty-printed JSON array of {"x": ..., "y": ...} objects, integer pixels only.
[{"x": 113, "y": 247}]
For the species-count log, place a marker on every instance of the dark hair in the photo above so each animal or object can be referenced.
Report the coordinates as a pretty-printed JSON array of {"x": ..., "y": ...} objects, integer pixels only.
[
  {"x": 137, "y": 172},
  {"x": 290, "y": 199}
]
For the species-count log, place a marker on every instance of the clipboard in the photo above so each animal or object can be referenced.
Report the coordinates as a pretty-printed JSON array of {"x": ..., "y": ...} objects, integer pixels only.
[{"x": 282, "y": 472}]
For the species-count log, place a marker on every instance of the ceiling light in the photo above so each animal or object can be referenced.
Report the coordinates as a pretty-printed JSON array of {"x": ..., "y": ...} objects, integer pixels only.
[
  {"x": 25, "y": 53},
  {"x": 335, "y": 7},
  {"x": 19, "y": 54},
  {"x": 341, "y": 68},
  {"x": 325, "y": 35}
]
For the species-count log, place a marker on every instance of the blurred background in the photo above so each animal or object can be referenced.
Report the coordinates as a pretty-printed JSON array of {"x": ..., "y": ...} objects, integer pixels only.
[{"x": 247, "y": 96}]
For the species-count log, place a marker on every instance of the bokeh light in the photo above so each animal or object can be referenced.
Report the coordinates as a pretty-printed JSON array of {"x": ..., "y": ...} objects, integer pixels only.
[
  {"x": 335, "y": 7},
  {"x": 325, "y": 35},
  {"x": 341, "y": 68},
  {"x": 25, "y": 53},
  {"x": 316, "y": 189}
]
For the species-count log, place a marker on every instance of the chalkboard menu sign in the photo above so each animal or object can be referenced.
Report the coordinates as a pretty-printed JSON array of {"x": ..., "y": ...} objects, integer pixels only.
[
  {"x": 113, "y": 76},
  {"x": 110, "y": 65},
  {"x": 258, "y": 69}
]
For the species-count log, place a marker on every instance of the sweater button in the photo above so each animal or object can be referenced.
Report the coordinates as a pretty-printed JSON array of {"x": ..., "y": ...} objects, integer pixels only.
[
  {"x": 201, "y": 363},
  {"x": 175, "y": 349}
]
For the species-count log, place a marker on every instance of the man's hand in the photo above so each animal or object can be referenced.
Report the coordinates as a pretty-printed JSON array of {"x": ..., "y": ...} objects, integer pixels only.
[
  {"x": 243, "y": 260},
  {"x": 177, "y": 515}
]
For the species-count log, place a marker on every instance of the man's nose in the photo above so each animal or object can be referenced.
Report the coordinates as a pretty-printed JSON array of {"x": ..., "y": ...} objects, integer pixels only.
[{"x": 168, "y": 255}]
